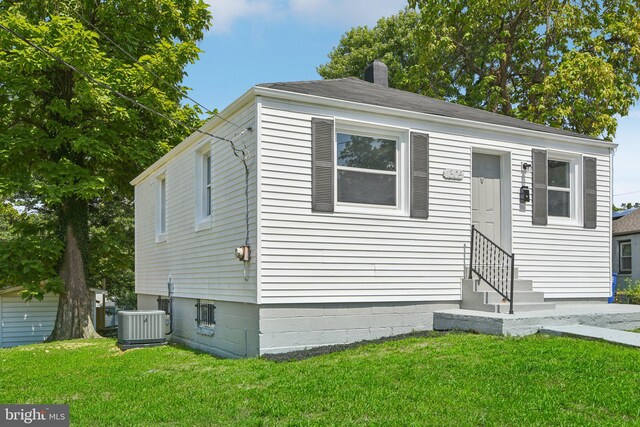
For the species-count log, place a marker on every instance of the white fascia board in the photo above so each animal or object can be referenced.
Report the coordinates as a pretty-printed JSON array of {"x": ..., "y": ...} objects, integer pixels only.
[
  {"x": 196, "y": 136},
  {"x": 319, "y": 100}
]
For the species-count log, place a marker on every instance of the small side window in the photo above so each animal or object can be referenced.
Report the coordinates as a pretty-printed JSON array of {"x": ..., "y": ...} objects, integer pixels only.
[
  {"x": 559, "y": 186},
  {"x": 203, "y": 187},
  {"x": 625, "y": 257},
  {"x": 205, "y": 314},
  {"x": 161, "y": 209}
]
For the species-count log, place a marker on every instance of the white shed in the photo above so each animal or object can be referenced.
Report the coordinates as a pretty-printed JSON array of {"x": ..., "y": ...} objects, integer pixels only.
[{"x": 25, "y": 322}]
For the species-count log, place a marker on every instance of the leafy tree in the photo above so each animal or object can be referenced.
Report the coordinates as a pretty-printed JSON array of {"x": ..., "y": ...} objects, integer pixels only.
[
  {"x": 67, "y": 143},
  {"x": 624, "y": 206},
  {"x": 29, "y": 251},
  {"x": 111, "y": 238},
  {"x": 393, "y": 40},
  {"x": 570, "y": 64}
]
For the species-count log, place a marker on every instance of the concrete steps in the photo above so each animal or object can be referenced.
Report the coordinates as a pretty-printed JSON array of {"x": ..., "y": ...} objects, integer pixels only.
[
  {"x": 477, "y": 295},
  {"x": 519, "y": 285}
]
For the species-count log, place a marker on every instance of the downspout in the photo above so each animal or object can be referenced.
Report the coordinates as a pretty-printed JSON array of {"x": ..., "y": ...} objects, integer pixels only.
[{"x": 170, "y": 294}]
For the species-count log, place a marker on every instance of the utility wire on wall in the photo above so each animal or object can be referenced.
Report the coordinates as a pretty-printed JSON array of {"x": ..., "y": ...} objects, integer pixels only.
[{"x": 241, "y": 154}]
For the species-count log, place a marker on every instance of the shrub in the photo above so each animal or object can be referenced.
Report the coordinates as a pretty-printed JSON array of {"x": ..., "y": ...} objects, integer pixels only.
[{"x": 631, "y": 293}]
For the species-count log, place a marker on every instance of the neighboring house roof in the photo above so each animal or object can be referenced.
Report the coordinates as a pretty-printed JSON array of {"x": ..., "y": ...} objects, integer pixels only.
[
  {"x": 628, "y": 224},
  {"x": 620, "y": 214},
  {"x": 10, "y": 289},
  {"x": 356, "y": 90}
]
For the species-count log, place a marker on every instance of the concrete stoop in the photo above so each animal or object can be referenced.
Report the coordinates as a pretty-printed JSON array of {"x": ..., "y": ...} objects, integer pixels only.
[
  {"x": 479, "y": 296},
  {"x": 612, "y": 316}
]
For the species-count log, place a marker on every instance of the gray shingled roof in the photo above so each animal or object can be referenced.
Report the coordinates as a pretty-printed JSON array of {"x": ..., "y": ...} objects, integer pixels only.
[
  {"x": 628, "y": 224},
  {"x": 356, "y": 90}
]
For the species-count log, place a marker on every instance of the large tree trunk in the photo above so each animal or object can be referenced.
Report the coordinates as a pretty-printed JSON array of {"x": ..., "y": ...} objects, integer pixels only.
[{"x": 75, "y": 308}]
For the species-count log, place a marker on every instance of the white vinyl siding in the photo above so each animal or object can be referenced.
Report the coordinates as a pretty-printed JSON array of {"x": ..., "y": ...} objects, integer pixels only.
[
  {"x": 566, "y": 260},
  {"x": 311, "y": 257},
  {"x": 200, "y": 261},
  {"x": 300, "y": 256},
  {"x": 23, "y": 322},
  {"x": 352, "y": 257}
]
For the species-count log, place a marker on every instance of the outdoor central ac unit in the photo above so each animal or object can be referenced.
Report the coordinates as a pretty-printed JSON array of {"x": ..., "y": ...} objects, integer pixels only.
[{"x": 141, "y": 328}]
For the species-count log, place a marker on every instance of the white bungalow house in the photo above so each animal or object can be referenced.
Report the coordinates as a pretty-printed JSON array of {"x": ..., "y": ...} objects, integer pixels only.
[{"x": 361, "y": 201}]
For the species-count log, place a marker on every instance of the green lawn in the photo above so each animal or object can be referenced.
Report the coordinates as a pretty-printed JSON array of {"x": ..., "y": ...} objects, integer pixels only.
[{"x": 453, "y": 379}]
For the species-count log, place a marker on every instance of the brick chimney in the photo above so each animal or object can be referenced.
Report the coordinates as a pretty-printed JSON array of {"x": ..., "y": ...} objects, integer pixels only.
[{"x": 378, "y": 73}]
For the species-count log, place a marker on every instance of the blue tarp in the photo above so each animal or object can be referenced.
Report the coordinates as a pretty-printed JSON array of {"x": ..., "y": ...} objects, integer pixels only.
[{"x": 620, "y": 214}]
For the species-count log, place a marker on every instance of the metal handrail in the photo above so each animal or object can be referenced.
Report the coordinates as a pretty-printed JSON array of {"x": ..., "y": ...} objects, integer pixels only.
[{"x": 492, "y": 264}]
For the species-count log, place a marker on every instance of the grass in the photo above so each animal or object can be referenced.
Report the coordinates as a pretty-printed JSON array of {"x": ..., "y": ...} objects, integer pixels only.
[{"x": 452, "y": 379}]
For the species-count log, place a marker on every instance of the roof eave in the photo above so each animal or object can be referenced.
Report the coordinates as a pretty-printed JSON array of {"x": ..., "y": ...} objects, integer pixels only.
[
  {"x": 625, "y": 233},
  {"x": 11, "y": 290},
  {"x": 315, "y": 99},
  {"x": 196, "y": 136}
]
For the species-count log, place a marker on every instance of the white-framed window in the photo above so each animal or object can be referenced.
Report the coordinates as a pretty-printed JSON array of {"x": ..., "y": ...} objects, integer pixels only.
[
  {"x": 161, "y": 208},
  {"x": 203, "y": 187},
  {"x": 624, "y": 251},
  {"x": 370, "y": 169},
  {"x": 564, "y": 188},
  {"x": 559, "y": 186}
]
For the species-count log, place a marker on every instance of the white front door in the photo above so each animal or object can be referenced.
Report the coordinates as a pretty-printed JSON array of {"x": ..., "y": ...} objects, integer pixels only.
[{"x": 485, "y": 195}]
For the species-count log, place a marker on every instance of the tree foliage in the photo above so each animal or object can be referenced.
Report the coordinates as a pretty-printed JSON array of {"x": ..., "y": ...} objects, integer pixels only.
[
  {"x": 29, "y": 252},
  {"x": 569, "y": 64},
  {"x": 111, "y": 237},
  {"x": 67, "y": 144}
]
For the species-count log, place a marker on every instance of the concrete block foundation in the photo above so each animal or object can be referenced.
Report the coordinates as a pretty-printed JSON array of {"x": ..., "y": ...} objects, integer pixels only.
[
  {"x": 285, "y": 328},
  {"x": 234, "y": 335},
  {"x": 246, "y": 330}
]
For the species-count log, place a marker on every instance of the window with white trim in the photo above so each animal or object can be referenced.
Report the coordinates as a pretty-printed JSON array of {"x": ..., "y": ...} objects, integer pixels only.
[
  {"x": 624, "y": 251},
  {"x": 161, "y": 208},
  {"x": 368, "y": 169},
  {"x": 204, "y": 186},
  {"x": 559, "y": 187},
  {"x": 564, "y": 188},
  {"x": 206, "y": 182}
]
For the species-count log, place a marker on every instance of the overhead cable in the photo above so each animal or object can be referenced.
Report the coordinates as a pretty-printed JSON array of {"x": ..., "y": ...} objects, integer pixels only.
[
  {"x": 148, "y": 70},
  {"x": 110, "y": 88}
]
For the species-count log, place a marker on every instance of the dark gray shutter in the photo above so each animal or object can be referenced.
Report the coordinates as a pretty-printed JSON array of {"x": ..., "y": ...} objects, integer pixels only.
[
  {"x": 419, "y": 175},
  {"x": 539, "y": 190},
  {"x": 322, "y": 169},
  {"x": 590, "y": 196}
]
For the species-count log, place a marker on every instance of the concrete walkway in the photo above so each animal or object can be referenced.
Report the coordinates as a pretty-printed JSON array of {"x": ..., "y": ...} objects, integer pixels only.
[
  {"x": 623, "y": 317},
  {"x": 593, "y": 332}
]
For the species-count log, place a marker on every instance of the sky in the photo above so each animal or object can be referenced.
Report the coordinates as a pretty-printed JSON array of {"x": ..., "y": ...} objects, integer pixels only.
[{"x": 264, "y": 41}]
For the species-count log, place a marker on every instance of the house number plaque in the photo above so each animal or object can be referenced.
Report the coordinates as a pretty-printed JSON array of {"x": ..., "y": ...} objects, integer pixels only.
[{"x": 453, "y": 174}]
